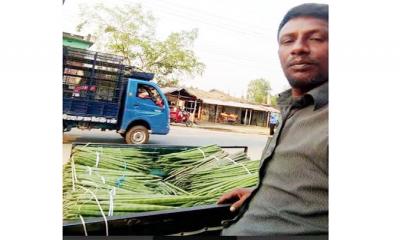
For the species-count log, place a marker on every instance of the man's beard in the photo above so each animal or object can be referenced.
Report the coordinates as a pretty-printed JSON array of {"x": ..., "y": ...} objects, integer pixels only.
[{"x": 307, "y": 85}]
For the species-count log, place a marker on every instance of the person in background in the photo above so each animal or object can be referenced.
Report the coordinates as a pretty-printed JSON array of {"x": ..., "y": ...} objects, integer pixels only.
[
  {"x": 273, "y": 121},
  {"x": 143, "y": 93},
  {"x": 146, "y": 93},
  {"x": 291, "y": 197}
]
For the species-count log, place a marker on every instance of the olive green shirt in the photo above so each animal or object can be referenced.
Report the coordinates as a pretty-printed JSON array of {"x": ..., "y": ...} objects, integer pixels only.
[{"x": 292, "y": 194}]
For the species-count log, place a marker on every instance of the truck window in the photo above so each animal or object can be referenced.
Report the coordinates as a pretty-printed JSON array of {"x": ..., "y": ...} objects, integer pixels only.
[{"x": 149, "y": 92}]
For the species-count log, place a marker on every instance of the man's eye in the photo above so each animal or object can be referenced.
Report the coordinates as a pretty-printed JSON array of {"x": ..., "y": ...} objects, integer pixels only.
[
  {"x": 317, "y": 38},
  {"x": 286, "y": 41}
]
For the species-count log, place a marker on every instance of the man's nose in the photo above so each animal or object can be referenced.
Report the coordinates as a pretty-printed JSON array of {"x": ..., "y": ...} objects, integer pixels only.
[{"x": 300, "y": 47}]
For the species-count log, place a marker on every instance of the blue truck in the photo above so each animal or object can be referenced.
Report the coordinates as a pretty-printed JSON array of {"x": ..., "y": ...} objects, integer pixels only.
[{"x": 101, "y": 92}]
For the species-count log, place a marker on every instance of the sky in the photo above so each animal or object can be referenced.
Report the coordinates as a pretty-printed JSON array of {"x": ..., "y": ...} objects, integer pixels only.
[{"x": 236, "y": 41}]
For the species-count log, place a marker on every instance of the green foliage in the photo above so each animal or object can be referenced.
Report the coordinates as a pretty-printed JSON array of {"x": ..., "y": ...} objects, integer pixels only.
[
  {"x": 258, "y": 90},
  {"x": 130, "y": 31},
  {"x": 274, "y": 100}
]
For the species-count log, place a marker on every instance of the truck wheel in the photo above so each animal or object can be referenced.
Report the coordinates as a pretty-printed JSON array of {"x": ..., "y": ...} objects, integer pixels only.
[{"x": 137, "y": 135}]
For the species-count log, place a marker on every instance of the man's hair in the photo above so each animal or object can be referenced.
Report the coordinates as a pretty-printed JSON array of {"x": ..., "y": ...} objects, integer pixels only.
[{"x": 315, "y": 10}]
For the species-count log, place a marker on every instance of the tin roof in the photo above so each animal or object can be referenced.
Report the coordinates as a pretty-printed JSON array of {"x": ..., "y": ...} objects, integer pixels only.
[
  {"x": 240, "y": 105},
  {"x": 217, "y": 97}
]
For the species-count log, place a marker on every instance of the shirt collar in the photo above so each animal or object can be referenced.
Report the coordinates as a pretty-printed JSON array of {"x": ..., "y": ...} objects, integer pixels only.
[
  {"x": 285, "y": 98},
  {"x": 319, "y": 96}
]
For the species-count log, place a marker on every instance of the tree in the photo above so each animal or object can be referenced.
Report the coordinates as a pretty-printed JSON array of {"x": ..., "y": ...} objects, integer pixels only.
[
  {"x": 258, "y": 90},
  {"x": 129, "y": 31},
  {"x": 274, "y": 100}
]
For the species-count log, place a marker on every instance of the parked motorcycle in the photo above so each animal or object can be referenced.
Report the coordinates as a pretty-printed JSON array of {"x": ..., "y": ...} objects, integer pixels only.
[{"x": 178, "y": 115}]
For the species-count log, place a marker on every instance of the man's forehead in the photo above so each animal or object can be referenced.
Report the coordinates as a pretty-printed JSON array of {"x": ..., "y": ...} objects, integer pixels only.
[{"x": 304, "y": 24}]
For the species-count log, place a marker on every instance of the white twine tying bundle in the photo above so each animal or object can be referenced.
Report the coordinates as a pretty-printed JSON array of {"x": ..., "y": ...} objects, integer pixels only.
[
  {"x": 98, "y": 204},
  {"x": 87, "y": 144},
  {"x": 239, "y": 164},
  {"x": 111, "y": 207},
  {"x": 73, "y": 173},
  {"x": 204, "y": 155},
  {"x": 84, "y": 225},
  {"x": 97, "y": 159},
  {"x": 103, "y": 180},
  {"x": 89, "y": 170}
]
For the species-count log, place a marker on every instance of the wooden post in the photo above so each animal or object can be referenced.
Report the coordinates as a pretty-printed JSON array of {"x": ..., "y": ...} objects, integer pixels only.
[
  {"x": 194, "y": 111},
  {"x": 199, "y": 115},
  {"x": 245, "y": 118},
  {"x": 216, "y": 113},
  {"x": 251, "y": 111}
]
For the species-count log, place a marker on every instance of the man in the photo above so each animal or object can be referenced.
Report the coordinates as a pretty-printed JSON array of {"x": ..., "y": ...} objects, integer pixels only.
[
  {"x": 292, "y": 194},
  {"x": 143, "y": 92},
  {"x": 272, "y": 124}
]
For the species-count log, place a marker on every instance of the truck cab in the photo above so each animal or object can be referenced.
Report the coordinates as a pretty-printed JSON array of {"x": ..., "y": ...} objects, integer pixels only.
[{"x": 146, "y": 111}]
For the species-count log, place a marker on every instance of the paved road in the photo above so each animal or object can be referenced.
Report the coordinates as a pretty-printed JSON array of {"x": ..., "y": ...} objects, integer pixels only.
[{"x": 177, "y": 136}]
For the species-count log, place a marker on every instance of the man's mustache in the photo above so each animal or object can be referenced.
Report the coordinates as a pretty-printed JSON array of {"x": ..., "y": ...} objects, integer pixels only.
[{"x": 296, "y": 61}]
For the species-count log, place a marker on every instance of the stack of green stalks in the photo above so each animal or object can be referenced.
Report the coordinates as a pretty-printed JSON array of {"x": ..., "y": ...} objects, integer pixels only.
[
  {"x": 170, "y": 162},
  {"x": 133, "y": 159},
  {"x": 96, "y": 203},
  {"x": 101, "y": 181},
  {"x": 219, "y": 180},
  {"x": 218, "y": 174},
  {"x": 103, "y": 178}
]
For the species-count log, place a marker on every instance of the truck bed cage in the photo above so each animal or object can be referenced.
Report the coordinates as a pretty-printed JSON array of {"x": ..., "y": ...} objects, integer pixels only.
[{"x": 94, "y": 82}]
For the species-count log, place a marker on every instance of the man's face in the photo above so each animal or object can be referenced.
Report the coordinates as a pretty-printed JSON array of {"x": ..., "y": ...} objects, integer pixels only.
[{"x": 303, "y": 52}]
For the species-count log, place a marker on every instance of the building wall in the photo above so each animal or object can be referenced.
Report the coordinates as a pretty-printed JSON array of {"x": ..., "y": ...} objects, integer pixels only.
[
  {"x": 259, "y": 118},
  {"x": 231, "y": 110},
  {"x": 211, "y": 113},
  {"x": 208, "y": 112},
  {"x": 171, "y": 99},
  {"x": 204, "y": 112}
]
